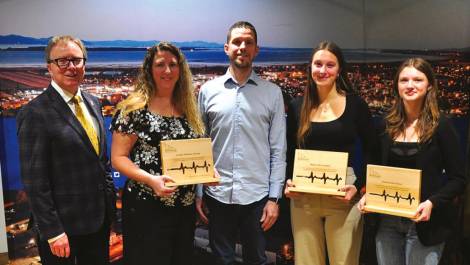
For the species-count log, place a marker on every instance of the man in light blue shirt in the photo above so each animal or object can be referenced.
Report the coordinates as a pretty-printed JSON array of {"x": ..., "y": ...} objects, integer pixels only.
[{"x": 244, "y": 116}]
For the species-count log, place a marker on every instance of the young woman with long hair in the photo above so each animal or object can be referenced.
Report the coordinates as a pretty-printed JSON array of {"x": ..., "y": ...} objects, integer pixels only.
[
  {"x": 329, "y": 117},
  {"x": 416, "y": 135}
]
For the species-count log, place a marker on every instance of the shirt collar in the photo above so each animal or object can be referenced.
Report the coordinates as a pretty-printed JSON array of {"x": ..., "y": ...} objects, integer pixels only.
[
  {"x": 67, "y": 96},
  {"x": 253, "y": 79}
]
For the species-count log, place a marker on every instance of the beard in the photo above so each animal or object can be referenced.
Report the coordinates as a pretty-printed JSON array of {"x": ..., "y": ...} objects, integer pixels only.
[{"x": 241, "y": 64}]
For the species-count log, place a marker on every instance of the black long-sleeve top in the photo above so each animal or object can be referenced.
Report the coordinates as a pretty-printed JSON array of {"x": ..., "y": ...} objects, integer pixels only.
[
  {"x": 339, "y": 135},
  {"x": 442, "y": 154}
]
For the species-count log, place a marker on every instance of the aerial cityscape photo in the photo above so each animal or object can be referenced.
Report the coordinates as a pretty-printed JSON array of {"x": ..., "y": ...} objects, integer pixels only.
[
  {"x": 112, "y": 81},
  {"x": 372, "y": 79}
]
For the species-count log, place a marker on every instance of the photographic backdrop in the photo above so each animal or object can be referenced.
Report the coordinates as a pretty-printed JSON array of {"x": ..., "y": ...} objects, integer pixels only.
[{"x": 376, "y": 35}]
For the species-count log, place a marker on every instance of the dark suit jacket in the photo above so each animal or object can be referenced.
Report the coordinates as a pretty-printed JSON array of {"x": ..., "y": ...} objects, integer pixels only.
[
  {"x": 69, "y": 186},
  {"x": 443, "y": 152}
]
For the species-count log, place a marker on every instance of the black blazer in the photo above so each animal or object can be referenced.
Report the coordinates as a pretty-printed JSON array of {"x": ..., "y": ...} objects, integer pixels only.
[
  {"x": 69, "y": 186},
  {"x": 442, "y": 153}
]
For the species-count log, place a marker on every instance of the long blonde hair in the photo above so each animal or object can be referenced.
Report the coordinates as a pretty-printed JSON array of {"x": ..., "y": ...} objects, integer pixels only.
[
  {"x": 428, "y": 118},
  {"x": 183, "y": 95}
]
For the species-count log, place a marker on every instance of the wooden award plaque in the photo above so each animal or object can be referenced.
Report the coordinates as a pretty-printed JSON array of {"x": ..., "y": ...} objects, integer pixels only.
[
  {"x": 188, "y": 161},
  {"x": 393, "y": 190},
  {"x": 319, "y": 172}
]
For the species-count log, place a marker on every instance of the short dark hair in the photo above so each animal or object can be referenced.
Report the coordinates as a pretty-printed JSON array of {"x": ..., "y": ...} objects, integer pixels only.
[{"x": 243, "y": 25}]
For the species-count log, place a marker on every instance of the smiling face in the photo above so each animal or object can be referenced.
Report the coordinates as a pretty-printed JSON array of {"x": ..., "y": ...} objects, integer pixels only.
[
  {"x": 325, "y": 68},
  {"x": 241, "y": 48},
  {"x": 165, "y": 71},
  {"x": 72, "y": 76},
  {"x": 412, "y": 85}
]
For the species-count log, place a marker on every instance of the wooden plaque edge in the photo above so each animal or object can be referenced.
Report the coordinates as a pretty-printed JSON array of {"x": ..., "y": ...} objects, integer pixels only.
[
  {"x": 181, "y": 183},
  {"x": 317, "y": 191},
  {"x": 407, "y": 214}
]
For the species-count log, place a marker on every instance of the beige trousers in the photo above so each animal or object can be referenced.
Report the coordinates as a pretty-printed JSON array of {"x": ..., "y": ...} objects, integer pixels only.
[{"x": 323, "y": 224}]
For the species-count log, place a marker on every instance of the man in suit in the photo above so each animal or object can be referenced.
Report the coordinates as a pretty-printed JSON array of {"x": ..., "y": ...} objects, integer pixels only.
[{"x": 64, "y": 166}]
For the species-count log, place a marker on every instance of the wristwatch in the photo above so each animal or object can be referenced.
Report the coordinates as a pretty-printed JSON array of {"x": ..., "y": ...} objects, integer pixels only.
[{"x": 276, "y": 200}]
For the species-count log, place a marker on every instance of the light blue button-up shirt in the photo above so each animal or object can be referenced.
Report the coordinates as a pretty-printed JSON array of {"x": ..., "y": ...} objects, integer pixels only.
[{"x": 247, "y": 125}]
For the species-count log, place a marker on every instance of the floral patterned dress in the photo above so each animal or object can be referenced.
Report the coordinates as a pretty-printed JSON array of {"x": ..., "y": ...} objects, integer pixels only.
[{"x": 150, "y": 129}]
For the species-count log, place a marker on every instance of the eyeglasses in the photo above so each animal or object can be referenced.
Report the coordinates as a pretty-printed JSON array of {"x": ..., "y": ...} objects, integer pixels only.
[{"x": 63, "y": 63}]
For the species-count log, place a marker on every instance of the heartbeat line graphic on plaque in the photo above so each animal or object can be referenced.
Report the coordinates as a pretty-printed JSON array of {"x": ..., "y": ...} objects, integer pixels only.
[
  {"x": 395, "y": 196},
  {"x": 319, "y": 172},
  {"x": 193, "y": 166},
  {"x": 188, "y": 161},
  {"x": 393, "y": 190},
  {"x": 324, "y": 178}
]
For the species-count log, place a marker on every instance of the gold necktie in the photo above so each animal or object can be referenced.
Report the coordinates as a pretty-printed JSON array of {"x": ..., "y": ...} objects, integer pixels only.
[{"x": 90, "y": 131}]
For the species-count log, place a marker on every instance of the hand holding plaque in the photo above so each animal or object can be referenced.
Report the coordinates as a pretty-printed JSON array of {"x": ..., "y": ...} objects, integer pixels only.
[
  {"x": 392, "y": 190},
  {"x": 319, "y": 172},
  {"x": 188, "y": 161}
]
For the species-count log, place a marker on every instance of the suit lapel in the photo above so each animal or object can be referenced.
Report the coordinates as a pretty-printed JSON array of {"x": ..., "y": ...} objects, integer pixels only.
[
  {"x": 95, "y": 111},
  {"x": 66, "y": 113}
]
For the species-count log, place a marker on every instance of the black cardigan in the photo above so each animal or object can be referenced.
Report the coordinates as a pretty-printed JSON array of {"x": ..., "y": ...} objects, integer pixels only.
[{"x": 443, "y": 178}]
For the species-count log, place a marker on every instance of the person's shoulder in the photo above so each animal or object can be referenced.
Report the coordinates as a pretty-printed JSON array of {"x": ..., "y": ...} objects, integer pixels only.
[
  {"x": 355, "y": 98},
  {"x": 129, "y": 120},
  {"x": 122, "y": 114},
  {"x": 444, "y": 118},
  {"x": 37, "y": 104},
  {"x": 446, "y": 132},
  {"x": 381, "y": 123},
  {"x": 444, "y": 123},
  {"x": 358, "y": 103},
  {"x": 215, "y": 82},
  {"x": 210, "y": 87},
  {"x": 296, "y": 102},
  {"x": 265, "y": 84},
  {"x": 89, "y": 96},
  {"x": 34, "y": 111}
]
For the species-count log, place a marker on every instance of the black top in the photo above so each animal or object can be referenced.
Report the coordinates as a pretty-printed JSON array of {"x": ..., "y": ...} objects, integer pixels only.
[
  {"x": 443, "y": 153},
  {"x": 404, "y": 154},
  {"x": 339, "y": 135},
  {"x": 150, "y": 129}
]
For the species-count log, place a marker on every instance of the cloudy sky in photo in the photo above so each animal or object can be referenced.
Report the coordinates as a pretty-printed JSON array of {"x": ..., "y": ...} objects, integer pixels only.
[{"x": 398, "y": 24}]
